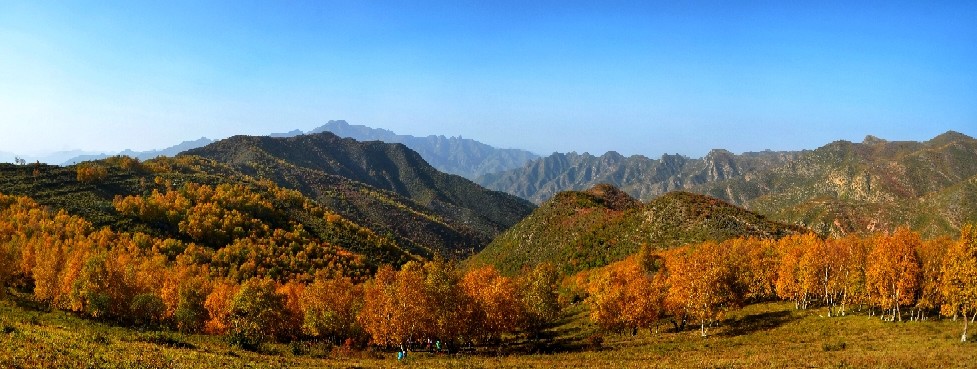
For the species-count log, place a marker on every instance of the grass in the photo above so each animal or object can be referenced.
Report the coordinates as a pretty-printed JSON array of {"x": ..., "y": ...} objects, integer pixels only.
[{"x": 769, "y": 335}]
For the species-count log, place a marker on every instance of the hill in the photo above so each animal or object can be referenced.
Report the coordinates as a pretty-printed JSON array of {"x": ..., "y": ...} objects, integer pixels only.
[
  {"x": 581, "y": 230},
  {"x": 837, "y": 189},
  {"x": 387, "y": 186},
  {"x": 455, "y": 155}
]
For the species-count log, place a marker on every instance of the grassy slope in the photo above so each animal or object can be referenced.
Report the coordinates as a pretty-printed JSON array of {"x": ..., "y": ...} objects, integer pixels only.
[
  {"x": 762, "y": 335},
  {"x": 581, "y": 230}
]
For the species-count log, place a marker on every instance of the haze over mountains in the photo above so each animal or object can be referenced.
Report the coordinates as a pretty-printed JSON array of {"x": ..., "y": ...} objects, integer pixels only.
[{"x": 455, "y": 155}]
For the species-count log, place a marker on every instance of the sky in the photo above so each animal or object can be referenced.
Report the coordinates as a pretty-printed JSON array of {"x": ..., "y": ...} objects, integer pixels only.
[{"x": 637, "y": 77}]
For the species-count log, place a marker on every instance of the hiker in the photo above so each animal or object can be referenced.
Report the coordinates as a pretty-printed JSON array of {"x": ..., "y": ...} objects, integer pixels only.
[{"x": 402, "y": 354}]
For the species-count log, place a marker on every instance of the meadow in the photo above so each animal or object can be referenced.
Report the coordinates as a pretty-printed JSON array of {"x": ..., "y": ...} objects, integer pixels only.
[{"x": 768, "y": 335}]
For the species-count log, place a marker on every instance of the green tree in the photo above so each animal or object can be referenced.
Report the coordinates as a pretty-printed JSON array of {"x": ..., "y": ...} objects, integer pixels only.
[{"x": 257, "y": 313}]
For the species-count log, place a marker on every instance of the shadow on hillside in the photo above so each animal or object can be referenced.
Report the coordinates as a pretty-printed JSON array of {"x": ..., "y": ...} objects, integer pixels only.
[{"x": 757, "y": 322}]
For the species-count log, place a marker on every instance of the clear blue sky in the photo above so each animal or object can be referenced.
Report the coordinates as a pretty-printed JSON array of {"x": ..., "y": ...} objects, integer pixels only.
[{"x": 635, "y": 77}]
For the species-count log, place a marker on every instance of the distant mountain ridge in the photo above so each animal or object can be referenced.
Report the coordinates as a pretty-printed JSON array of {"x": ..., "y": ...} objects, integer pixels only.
[
  {"x": 455, "y": 155},
  {"x": 145, "y": 155},
  {"x": 840, "y": 188}
]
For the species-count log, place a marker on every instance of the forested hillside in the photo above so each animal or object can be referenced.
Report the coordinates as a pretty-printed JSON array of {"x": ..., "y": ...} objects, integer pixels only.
[
  {"x": 316, "y": 163},
  {"x": 580, "y": 230}
]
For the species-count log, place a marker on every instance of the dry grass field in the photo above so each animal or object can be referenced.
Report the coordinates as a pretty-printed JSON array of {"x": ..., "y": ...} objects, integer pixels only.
[{"x": 769, "y": 335}]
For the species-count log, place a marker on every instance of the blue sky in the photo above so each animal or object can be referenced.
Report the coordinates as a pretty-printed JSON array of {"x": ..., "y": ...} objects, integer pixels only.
[{"x": 635, "y": 77}]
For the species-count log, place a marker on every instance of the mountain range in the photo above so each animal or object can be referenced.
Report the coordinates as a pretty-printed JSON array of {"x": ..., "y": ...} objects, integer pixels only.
[
  {"x": 455, "y": 155},
  {"x": 840, "y": 188},
  {"x": 144, "y": 155}
]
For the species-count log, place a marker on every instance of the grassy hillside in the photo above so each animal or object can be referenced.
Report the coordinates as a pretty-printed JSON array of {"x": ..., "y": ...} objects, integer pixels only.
[
  {"x": 762, "y": 335},
  {"x": 581, "y": 230}
]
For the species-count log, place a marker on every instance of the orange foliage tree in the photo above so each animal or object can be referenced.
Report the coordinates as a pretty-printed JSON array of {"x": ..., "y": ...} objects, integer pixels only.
[
  {"x": 893, "y": 272},
  {"x": 958, "y": 279}
]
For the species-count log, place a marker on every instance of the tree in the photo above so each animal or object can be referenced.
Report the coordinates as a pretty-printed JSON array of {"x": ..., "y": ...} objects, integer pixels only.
[
  {"x": 626, "y": 295},
  {"x": 90, "y": 173},
  {"x": 218, "y": 304},
  {"x": 190, "y": 314},
  {"x": 330, "y": 308},
  {"x": 538, "y": 296},
  {"x": 931, "y": 258},
  {"x": 498, "y": 308},
  {"x": 147, "y": 310},
  {"x": 450, "y": 308},
  {"x": 379, "y": 312},
  {"x": 894, "y": 271},
  {"x": 702, "y": 283},
  {"x": 396, "y": 308},
  {"x": 793, "y": 273},
  {"x": 958, "y": 278},
  {"x": 257, "y": 314}
]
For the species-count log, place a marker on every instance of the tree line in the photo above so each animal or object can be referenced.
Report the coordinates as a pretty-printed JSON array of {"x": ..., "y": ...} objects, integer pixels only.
[
  {"x": 894, "y": 275},
  {"x": 141, "y": 280},
  {"x": 272, "y": 281}
]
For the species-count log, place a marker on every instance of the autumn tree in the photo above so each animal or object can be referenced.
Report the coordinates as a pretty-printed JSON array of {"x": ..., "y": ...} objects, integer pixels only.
[
  {"x": 90, "y": 172},
  {"x": 538, "y": 294},
  {"x": 702, "y": 284},
  {"x": 958, "y": 278},
  {"x": 450, "y": 308},
  {"x": 793, "y": 273},
  {"x": 852, "y": 270},
  {"x": 218, "y": 303},
  {"x": 396, "y": 308},
  {"x": 330, "y": 308},
  {"x": 627, "y": 295},
  {"x": 893, "y": 271},
  {"x": 496, "y": 300},
  {"x": 931, "y": 258},
  {"x": 257, "y": 314}
]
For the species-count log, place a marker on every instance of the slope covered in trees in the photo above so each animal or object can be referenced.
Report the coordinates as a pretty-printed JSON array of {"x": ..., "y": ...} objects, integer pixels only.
[
  {"x": 837, "y": 189},
  {"x": 579, "y": 230},
  {"x": 315, "y": 164},
  {"x": 131, "y": 196}
]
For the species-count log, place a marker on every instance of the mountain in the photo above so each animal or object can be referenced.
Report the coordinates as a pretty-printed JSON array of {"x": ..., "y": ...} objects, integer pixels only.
[
  {"x": 455, "y": 155},
  {"x": 638, "y": 175},
  {"x": 840, "y": 188},
  {"x": 386, "y": 186},
  {"x": 144, "y": 155},
  {"x": 581, "y": 230}
]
